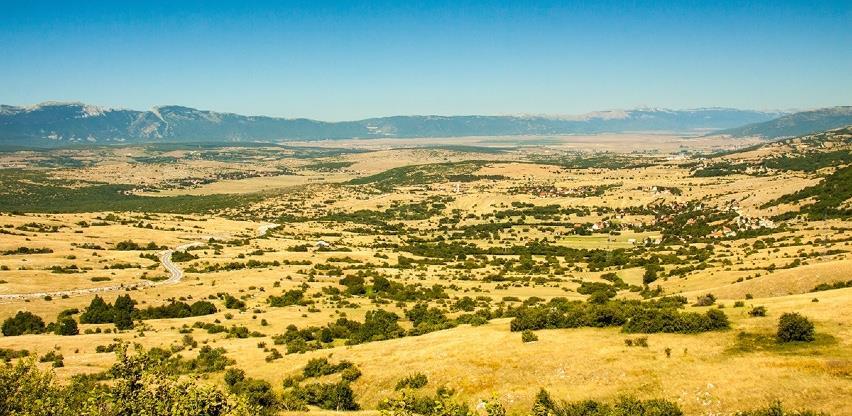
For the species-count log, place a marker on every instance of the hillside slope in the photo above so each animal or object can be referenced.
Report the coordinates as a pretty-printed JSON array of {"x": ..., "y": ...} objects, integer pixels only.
[{"x": 796, "y": 124}]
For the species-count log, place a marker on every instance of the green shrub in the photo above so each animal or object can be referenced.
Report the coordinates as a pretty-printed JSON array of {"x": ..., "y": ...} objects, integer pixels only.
[
  {"x": 329, "y": 396},
  {"x": 528, "y": 336},
  {"x": 442, "y": 404},
  {"x": 234, "y": 376},
  {"x": 257, "y": 393},
  {"x": 757, "y": 311},
  {"x": 413, "y": 381},
  {"x": 23, "y": 323},
  {"x": 319, "y": 367},
  {"x": 291, "y": 297},
  {"x": 706, "y": 300},
  {"x": 233, "y": 303},
  {"x": 350, "y": 374},
  {"x": 67, "y": 326},
  {"x": 794, "y": 327},
  {"x": 7, "y": 355},
  {"x": 182, "y": 256}
]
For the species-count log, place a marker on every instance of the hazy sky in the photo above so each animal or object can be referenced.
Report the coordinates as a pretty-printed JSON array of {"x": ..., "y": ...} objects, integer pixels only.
[{"x": 350, "y": 60}]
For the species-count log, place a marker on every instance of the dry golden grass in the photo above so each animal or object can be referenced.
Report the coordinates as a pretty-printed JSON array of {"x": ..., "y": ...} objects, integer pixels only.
[{"x": 705, "y": 374}]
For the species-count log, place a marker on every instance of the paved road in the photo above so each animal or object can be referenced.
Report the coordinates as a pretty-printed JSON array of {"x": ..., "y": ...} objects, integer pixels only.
[{"x": 175, "y": 275}]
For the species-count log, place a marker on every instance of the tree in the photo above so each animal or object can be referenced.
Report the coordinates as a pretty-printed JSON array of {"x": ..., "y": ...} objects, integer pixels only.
[
  {"x": 123, "y": 312},
  {"x": 378, "y": 325},
  {"x": 98, "y": 312},
  {"x": 67, "y": 326},
  {"x": 203, "y": 307},
  {"x": 122, "y": 319},
  {"x": 381, "y": 284},
  {"x": 795, "y": 327},
  {"x": 124, "y": 303},
  {"x": 23, "y": 323},
  {"x": 650, "y": 274}
]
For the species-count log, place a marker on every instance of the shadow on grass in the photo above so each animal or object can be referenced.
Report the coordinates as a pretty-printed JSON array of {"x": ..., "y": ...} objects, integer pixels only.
[{"x": 749, "y": 342}]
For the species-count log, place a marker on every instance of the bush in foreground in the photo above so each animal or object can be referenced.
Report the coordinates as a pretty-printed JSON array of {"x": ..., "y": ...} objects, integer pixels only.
[
  {"x": 545, "y": 406},
  {"x": 136, "y": 389},
  {"x": 776, "y": 409}
]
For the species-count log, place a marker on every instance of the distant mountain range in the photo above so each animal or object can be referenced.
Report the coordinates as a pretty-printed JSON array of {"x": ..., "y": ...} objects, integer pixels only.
[
  {"x": 796, "y": 124},
  {"x": 59, "y": 124}
]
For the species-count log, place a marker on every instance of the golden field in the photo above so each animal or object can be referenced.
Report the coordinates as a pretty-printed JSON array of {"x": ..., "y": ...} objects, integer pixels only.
[{"x": 451, "y": 195}]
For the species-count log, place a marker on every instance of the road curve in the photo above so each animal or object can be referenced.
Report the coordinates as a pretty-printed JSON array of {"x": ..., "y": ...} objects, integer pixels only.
[{"x": 175, "y": 275}]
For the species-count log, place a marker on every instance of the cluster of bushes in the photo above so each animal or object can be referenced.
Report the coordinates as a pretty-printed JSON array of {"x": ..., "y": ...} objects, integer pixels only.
[
  {"x": 384, "y": 288},
  {"x": 427, "y": 319},
  {"x": 544, "y": 405},
  {"x": 176, "y": 310},
  {"x": 182, "y": 256},
  {"x": 136, "y": 387},
  {"x": 208, "y": 360},
  {"x": 633, "y": 316},
  {"x": 7, "y": 354},
  {"x": 129, "y": 245},
  {"x": 290, "y": 297},
  {"x": 653, "y": 320},
  {"x": 233, "y": 265},
  {"x": 442, "y": 403},
  {"x": 23, "y": 323},
  {"x": 414, "y": 381},
  {"x": 100, "y": 312},
  {"x": 257, "y": 393},
  {"x": 319, "y": 367},
  {"x": 26, "y": 250},
  {"x": 232, "y": 302},
  {"x": 123, "y": 312},
  {"x": 830, "y": 286},
  {"x": 378, "y": 325},
  {"x": 233, "y": 332},
  {"x": 330, "y": 396}
]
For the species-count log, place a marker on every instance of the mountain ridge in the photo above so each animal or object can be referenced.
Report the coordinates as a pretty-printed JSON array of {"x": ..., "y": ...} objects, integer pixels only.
[
  {"x": 796, "y": 124},
  {"x": 54, "y": 123}
]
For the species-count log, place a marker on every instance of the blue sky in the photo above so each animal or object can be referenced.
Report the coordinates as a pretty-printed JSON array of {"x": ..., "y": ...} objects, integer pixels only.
[{"x": 351, "y": 60}]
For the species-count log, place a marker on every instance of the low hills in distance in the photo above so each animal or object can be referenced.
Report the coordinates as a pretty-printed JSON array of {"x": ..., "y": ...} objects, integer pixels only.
[
  {"x": 59, "y": 124},
  {"x": 796, "y": 124}
]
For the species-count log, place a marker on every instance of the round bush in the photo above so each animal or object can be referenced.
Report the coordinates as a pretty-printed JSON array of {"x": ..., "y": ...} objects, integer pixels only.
[
  {"x": 795, "y": 327},
  {"x": 528, "y": 336}
]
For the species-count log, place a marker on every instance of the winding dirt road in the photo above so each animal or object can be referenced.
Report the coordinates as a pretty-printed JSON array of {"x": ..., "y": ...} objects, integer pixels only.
[{"x": 175, "y": 275}]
